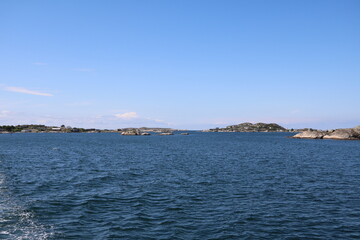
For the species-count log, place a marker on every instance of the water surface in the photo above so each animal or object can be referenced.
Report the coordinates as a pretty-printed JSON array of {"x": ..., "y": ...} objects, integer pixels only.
[{"x": 201, "y": 186}]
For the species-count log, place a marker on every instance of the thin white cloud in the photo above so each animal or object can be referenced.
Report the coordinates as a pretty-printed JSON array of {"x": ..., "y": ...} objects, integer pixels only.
[
  {"x": 26, "y": 91},
  {"x": 39, "y": 63},
  {"x": 128, "y": 115}
]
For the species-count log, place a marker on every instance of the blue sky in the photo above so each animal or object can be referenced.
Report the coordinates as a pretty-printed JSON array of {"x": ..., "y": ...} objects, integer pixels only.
[{"x": 182, "y": 64}]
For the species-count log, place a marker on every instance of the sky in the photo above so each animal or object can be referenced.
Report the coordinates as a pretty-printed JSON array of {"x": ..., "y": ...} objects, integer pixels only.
[{"x": 181, "y": 64}]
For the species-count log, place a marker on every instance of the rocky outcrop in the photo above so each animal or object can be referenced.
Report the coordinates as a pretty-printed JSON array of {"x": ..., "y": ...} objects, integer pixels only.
[
  {"x": 310, "y": 134},
  {"x": 131, "y": 132},
  {"x": 166, "y": 133},
  {"x": 144, "y": 131},
  {"x": 347, "y": 133},
  {"x": 339, "y": 134}
]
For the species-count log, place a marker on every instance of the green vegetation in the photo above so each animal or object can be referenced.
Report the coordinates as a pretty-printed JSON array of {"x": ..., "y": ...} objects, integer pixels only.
[
  {"x": 34, "y": 128},
  {"x": 19, "y": 128},
  {"x": 249, "y": 127}
]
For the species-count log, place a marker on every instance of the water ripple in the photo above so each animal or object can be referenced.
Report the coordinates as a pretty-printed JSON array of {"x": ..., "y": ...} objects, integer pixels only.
[{"x": 201, "y": 186}]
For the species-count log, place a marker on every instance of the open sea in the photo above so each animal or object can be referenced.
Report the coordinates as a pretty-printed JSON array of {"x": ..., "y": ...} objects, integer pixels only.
[{"x": 200, "y": 186}]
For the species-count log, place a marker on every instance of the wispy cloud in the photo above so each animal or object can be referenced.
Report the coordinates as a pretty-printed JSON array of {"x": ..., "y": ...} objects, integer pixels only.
[
  {"x": 26, "y": 91},
  {"x": 128, "y": 115},
  {"x": 84, "y": 69},
  {"x": 39, "y": 63}
]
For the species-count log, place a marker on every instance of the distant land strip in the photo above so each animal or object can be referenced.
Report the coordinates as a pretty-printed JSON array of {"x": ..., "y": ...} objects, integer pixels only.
[{"x": 305, "y": 133}]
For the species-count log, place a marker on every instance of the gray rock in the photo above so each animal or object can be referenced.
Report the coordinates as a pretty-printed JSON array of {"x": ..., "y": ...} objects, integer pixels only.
[
  {"x": 165, "y": 134},
  {"x": 346, "y": 133},
  {"x": 310, "y": 135},
  {"x": 131, "y": 132},
  {"x": 339, "y": 134}
]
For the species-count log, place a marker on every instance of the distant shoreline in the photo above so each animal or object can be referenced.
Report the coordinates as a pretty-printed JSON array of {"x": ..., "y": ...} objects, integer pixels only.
[{"x": 305, "y": 133}]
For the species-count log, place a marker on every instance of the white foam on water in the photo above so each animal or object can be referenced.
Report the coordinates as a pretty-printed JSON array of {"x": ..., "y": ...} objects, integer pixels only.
[{"x": 17, "y": 223}]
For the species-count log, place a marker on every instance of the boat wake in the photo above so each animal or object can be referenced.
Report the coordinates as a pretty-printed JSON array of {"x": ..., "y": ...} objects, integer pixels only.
[{"x": 15, "y": 221}]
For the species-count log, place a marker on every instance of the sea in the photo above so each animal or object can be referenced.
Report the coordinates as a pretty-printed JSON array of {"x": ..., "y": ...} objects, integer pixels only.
[{"x": 197, "y": 186}]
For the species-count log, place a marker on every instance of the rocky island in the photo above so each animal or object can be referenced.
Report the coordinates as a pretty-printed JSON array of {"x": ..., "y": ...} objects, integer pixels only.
[
  {"x": 144, "y": 131},
  {"x": 249, "y": 127},
  {"x": 339, "y": 134}
]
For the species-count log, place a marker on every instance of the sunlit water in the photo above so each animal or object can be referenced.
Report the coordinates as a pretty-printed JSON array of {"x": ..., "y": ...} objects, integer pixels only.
[{"x": 201, "y": 186}]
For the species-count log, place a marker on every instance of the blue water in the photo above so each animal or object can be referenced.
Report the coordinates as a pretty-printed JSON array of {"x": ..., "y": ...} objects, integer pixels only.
[{"x": 201, "y": 186}]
